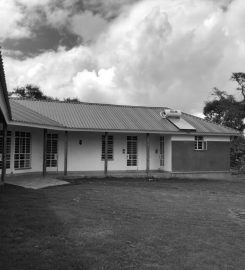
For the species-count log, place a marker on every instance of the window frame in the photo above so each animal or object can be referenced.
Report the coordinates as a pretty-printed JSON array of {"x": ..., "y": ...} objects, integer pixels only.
[
  {"x": 22, "y": 143},
  {"x": 200, "y": 144},
  {"x": 51, "y": 157},
  {"x": 132, "y": 162},
  {"x": 110, "y": 147}
]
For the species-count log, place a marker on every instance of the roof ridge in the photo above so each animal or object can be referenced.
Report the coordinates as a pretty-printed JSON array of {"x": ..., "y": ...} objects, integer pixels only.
[
  {"x": 88, "y": 103},
  {"x": 208, "y": 121}
]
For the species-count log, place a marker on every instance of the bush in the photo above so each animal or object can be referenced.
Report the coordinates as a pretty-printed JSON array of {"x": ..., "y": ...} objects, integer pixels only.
[{"x": 238, "y": 153}]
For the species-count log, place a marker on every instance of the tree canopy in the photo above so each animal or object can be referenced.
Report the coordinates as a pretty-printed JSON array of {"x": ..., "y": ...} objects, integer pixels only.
[
  {"x": 34, "y": 92},
  {"x": 225, "y": 109},
  {"x": 30, "y": 92}
]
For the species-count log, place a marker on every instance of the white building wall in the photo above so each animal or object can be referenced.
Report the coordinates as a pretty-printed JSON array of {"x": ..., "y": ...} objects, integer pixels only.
[
  {"x": 87, "y": 156},
  {"x": 167, "y": 153},
  {"x": 154, "y": 152}
]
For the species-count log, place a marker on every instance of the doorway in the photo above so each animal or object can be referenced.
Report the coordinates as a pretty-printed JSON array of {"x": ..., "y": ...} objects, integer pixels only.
[
  {"x": 132, "y": 152},
  {"x": 52, "y": 152}
]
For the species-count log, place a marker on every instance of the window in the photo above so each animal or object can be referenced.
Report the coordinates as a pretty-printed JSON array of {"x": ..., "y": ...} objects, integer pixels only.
[
  {"x": 52, "y": 150},
  {"x": 200, "y": 144},
  {"x": 132, "y": 150},
  {"x": 8, "y": 150},
  {"x": 109, "y": 146},
  {"x": 22, "y": 155}
]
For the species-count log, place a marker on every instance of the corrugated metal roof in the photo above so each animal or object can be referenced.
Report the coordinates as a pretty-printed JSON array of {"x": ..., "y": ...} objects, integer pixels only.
[
  {"x": 23, "y": 114},
  {"x": 104, "y": 117}
]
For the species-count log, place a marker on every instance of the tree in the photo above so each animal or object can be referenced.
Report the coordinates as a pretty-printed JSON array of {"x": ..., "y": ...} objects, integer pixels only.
[
  {"x": 29, "y": 92},
  {"x": 239, "y": 77},
  {"x": 73, "y": 100},
  {"x": 225, "y": 110}
]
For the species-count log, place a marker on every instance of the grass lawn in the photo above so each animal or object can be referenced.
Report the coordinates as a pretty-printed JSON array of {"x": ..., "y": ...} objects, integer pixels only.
[{"x": 124, "y": 224}]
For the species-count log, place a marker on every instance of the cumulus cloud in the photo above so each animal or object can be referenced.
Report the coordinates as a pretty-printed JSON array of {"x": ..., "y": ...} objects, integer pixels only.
[
  {"x": 12, "y": 25},
  {"x": 87, "y": 25},
  {"x": 167, "y": 53}
]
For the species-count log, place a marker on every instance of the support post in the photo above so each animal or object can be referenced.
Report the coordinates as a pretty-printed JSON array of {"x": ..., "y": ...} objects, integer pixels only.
[
  {"x": 4, "y": 147},
  {"x": 106, "y": 154},
  {"x": 147, "y": 153},
  {"x": 66, "y": 153},
  {"x": 44, "y": 152}
]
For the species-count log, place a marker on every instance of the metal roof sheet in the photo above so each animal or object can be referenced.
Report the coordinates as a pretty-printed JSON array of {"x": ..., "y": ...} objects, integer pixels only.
[
  {"x": 21, "y": 113},
  {"x": 105, "y": 117}
]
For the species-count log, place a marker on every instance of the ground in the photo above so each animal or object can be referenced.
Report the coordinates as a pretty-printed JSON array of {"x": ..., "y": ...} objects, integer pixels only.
[{"x": 124, "y": 224}]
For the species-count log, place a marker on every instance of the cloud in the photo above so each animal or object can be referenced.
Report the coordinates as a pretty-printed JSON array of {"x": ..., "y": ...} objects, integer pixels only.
[
  {"x": 108, "y": 9},
  {"x": 12, "y": 25},
  {"x": 52, "y": 71},
  {"x": 87, "y": 25},
  {"x": 159, "y": 53}
]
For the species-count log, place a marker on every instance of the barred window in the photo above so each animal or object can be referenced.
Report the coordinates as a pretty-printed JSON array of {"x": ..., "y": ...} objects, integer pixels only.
[
  {"x": 132, "y": 151},
  {"x": 200, "y": 144},
  {"x": 22, "y": 155},
  {"x": 8, "y": 149},
  {"x": 109, "y": 147},
  {"x": 52, "y": 150}
]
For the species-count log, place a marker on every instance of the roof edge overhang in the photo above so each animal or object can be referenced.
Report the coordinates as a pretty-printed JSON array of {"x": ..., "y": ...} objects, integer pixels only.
[
  {"x": 7, "y": 114},
  {"x": 58, "y": 128}
]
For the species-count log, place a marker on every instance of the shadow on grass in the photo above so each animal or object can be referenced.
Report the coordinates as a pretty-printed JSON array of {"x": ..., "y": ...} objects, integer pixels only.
[{"x": 31, "y": 236}]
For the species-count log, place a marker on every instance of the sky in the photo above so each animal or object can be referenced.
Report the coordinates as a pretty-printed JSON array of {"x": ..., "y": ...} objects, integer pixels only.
[{"x": 136, "y": 52}]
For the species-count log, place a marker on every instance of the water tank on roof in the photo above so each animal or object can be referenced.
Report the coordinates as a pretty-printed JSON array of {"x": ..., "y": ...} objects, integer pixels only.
[
  {"x": 170, "y": 113},
  {"x": 174, "y": 117}
]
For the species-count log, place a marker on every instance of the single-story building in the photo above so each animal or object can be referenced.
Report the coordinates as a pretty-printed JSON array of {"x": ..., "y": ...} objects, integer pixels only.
[{"x": 62, "y": 137}]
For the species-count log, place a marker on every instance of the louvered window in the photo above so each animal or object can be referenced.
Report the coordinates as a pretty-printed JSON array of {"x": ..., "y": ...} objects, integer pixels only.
[
  {"x": 52, "y": 150},
  {"x": 22, "y": 153},
  {"x": 132, "y": 151},
  {"x": 8, "y": 150},
  {"x": 200, "y": 144},
  {"x": 109, "y": 147}
]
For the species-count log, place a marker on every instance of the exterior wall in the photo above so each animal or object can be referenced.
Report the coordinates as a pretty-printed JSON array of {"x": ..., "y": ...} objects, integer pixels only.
[
  {"x": 154, "y": 152},
  {"x": 87, "y": 156},
  {"x": 186, "y": 159},
  {"x": 168, "y": 153},
  {"x": 179, "y": 153}
]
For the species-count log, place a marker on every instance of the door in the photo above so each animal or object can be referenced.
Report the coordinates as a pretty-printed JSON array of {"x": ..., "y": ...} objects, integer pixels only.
[
  {"x": 132, "y": 152},
  {"x": 161, "y": 156},
  {"x": 52, "y": 152}
]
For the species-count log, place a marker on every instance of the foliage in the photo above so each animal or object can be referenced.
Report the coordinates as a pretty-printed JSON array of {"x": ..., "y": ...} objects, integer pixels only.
[
  {"x": 73, "y": 100},
  {"x": 33, "y": 92},
  {"x": 238, "y": 153},
  {"x": 29, "y": 92},
  {"x": 239, "y": 77},
  {"x": 225, "y": 110}
]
